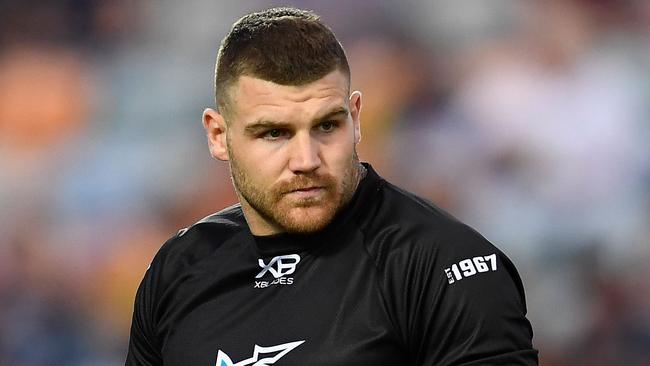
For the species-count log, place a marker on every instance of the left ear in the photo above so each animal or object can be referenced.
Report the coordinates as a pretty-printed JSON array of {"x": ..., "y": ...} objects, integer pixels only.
[{"x": 355, "y": 111}]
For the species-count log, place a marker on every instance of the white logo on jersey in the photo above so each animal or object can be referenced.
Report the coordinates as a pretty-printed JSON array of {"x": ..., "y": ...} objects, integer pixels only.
[
  {"x": 279, "y": 267},
  {"x": 471, "y": 266},
  {"x": 281, "y": 349},
  {"x": 286, "y": 265}
]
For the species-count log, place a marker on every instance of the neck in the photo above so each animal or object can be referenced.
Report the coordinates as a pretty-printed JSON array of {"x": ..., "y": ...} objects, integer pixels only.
[
  {"x": 257, "y": 224},
  {"x": 361, "y": 173}
]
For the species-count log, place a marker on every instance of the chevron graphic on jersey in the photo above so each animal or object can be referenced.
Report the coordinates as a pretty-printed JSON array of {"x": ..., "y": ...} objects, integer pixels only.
[{"x": 280, "y": 350}]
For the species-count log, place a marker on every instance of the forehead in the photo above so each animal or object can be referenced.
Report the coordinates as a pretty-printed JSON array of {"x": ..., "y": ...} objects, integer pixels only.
[{"x": 254, "y": 99}]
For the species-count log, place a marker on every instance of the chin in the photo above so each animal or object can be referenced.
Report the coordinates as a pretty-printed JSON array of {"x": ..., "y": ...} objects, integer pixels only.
[{"x": 307, "y": 220}]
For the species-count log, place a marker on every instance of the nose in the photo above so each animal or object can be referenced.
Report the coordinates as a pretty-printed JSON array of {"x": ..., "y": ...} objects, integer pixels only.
[{"x": 305, "y": 154}]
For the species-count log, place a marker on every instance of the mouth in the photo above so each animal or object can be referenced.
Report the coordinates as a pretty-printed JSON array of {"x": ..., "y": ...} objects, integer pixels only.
[
  {"x": 311, "y": 192},
  {"x": 307, "y": 189}
]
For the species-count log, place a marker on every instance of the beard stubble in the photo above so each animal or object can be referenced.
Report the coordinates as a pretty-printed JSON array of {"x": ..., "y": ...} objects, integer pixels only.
[{"x": 303, "y": 216}]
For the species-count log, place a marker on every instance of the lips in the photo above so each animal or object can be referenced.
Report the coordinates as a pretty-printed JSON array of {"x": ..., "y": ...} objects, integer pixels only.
[
  {"x": 306, "y": 184},
  {"x": 302, "y": 188},
  {"x": 307, "y": 189},
  {"x": 312, "y": 192}
]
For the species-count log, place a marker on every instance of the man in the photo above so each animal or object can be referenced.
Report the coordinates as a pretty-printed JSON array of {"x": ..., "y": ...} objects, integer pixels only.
[{"x": 323, "y": 262}]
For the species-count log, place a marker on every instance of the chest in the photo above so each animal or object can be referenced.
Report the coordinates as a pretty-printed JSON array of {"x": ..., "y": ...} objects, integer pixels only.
[{"x": 290, "y": 309}]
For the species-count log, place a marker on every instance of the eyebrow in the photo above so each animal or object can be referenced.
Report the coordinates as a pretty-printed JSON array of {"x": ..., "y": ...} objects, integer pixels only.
[
  {"x": 337, "y": 112},
  {"x": 265, "y": 125}
]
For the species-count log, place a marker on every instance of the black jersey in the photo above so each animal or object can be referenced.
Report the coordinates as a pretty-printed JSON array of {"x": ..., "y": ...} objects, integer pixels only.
[{"x": 393, "y": 280}]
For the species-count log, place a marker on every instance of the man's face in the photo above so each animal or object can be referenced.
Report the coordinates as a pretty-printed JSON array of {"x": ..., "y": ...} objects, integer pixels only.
[{"x": 292, "y": 151}]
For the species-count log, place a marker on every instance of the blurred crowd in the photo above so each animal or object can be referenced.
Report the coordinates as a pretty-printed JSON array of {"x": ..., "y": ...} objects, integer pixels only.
[{"x": 529, "y": 120}]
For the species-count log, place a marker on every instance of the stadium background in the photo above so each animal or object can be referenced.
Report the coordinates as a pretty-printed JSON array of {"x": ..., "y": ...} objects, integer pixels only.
[{"x": 530, "y": 120}]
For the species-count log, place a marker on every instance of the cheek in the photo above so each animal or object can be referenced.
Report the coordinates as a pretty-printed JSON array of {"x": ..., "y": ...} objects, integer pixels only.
[
  {"x": 339, "y": 154},
  {"x": 262, "y": 163}
]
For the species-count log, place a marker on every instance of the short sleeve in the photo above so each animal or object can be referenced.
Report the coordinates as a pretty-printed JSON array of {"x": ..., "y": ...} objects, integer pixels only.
[{"x": 458, "y": 300}]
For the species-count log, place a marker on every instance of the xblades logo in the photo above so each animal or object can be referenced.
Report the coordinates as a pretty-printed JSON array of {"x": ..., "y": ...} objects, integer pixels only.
[
  {"x": 286, "y": 265},
  {"x": 272, "y": 355},
  {"x": 278, "y": 267}
]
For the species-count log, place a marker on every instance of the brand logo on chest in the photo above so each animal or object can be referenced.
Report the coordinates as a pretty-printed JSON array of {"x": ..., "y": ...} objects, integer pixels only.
[
  {"x": 262, "y": 356},
  {"x": 280, "y": 268}
]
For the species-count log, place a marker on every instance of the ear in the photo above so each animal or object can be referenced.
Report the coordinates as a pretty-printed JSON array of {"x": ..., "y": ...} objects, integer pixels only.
[
  {"x": 355, "y": 112},
  {"x": 216, "y": 128}
]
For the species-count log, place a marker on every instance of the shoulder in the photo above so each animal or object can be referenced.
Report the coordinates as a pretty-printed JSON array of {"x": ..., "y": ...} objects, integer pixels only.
[
  {"x": 402, "y": 221},
  {"x": 200, "y": 240},
  {"x": 225, "y": 222},
  {"x": 410, "y": 237}
]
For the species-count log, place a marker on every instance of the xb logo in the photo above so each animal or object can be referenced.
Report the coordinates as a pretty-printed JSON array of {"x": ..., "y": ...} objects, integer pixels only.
[
  {"x": 286, "y": 265},
  {"x": 270, "y": 355}
]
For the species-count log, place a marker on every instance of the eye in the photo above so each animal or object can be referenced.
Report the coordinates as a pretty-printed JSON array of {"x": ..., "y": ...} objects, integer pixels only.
[
  {"x": 328, "y": 126},
  {"x": 273, "y": 134}
]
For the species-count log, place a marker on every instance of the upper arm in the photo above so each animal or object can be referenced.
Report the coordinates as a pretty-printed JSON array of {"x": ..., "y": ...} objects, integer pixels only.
[{"x": 459, "y": 301}]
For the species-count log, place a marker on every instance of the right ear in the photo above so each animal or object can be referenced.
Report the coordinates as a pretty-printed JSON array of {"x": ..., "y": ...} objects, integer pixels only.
[{"x": 216, "y": 128}]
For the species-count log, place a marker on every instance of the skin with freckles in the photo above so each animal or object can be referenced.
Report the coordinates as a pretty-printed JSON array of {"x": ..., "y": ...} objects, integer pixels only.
[{"x": 291, "y": 149}]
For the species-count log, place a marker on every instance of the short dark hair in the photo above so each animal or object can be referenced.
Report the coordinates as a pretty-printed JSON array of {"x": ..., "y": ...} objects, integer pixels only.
[{"x": 287, "y": 46}]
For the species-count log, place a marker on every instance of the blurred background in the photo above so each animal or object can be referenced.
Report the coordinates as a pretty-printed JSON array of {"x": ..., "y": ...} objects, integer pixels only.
[{"x": 529, "y": 120}]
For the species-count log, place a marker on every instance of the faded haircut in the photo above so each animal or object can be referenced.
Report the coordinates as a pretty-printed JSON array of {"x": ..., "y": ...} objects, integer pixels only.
[{"x": 287, "y": 46}]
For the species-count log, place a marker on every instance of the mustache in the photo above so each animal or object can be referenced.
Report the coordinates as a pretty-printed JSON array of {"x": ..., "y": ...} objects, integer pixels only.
[{"x": 304, "y": 182}]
